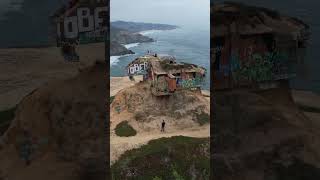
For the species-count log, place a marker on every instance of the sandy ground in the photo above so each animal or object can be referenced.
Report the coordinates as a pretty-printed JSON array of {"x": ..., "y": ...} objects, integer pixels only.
[
  {"x": 119, "y": 83},
  {"x": 23, "y": 70}
]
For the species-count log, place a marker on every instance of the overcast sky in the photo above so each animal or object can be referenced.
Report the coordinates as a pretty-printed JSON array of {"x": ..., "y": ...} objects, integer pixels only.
[{"x": 194, "y": 13}]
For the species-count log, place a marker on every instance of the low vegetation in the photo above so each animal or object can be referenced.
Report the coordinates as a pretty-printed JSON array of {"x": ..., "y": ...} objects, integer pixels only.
[
  {"x": 202, "y": 118},
  {"x": 111, "y": 99},
  {"x": 166, "y": 158},
  {"x": 123, "y": 129}
]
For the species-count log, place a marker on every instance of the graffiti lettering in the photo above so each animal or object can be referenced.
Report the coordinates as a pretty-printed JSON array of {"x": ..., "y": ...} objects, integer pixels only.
[
  {"x": 135, "y": 69},
  {"x": 83, "y": 22}
]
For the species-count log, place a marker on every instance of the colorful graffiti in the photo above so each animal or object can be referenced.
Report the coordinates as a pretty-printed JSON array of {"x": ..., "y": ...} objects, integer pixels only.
[
  {"x": 162, "y": 84},
  {"x": 250, "y": 64},
  {"x": 191, "y": 83},
  {"x": 259, "y": 67}
]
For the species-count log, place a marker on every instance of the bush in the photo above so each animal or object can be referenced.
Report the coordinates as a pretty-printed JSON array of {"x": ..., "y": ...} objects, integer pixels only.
[
  {"x": 111, "y": 99},
  {"x": 202, "y": 118},
  {"x": 123, "y": 129}
]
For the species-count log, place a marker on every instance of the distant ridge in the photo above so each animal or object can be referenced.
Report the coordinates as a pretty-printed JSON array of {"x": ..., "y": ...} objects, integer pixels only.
[{"x": 141, "y": 26}]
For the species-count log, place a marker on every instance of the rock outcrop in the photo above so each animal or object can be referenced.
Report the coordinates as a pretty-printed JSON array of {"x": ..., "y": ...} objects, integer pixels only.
[
  {"x": 139, "y": 105},
  {"x": 117, "y": 49}
]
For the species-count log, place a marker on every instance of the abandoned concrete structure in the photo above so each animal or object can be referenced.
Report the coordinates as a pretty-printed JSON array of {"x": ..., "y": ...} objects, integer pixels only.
[
  {"x": 254, "y": 46},
  {"x": 166, "y": 75}
]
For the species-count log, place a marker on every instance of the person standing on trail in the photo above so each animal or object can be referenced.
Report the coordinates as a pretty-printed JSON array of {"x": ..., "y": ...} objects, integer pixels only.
[{"x": 163, "y": 124}]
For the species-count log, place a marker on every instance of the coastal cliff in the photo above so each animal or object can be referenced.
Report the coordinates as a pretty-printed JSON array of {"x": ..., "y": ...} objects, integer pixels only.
[{"x": 122, "y": 33}]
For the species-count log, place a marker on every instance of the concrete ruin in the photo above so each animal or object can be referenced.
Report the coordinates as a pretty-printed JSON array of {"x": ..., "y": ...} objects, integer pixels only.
[
  {"x": 166, "y": 75},
  {"x": 254, "y": 47}
]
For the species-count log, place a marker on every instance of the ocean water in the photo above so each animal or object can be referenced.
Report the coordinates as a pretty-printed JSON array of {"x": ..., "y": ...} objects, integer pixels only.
[
  {"x": 185, "y": 44},
  {"x": 308, "y": 74}
]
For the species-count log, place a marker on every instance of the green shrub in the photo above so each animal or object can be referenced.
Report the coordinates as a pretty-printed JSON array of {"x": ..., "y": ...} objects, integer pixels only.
[
  {"x": 111, "y": 99},
  {"x": 176, "y": 175},
  {"x": 123, "y": 129},
  {"x": 202, "y": 118},
  {"x": 166, "y": 158}
]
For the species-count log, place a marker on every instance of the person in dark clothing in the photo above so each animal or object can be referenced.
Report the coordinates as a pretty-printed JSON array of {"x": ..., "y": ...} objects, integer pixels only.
[
  {"x": 163, "y": 124},
  {"x": 26, "y": 148}
]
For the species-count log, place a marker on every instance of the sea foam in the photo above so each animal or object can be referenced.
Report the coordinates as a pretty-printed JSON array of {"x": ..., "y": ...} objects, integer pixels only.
[
  {"x": 149, "y": 32},
  {"x": 128, "y": 46}
]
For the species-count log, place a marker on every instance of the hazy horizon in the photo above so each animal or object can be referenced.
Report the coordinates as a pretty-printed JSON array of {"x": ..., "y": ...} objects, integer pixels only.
[{"x": 183, "y": 13}]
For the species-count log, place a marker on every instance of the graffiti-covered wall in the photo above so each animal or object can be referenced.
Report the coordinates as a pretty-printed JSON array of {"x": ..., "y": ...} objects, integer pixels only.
[
  {"x": 165, "y": 84},
  {"x": 247, "y": 60}
]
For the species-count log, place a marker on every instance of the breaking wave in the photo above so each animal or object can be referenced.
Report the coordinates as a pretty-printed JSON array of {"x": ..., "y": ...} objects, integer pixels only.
[
  {"x": 128, "y": 46},
  {"x": 149, "y": 32}
]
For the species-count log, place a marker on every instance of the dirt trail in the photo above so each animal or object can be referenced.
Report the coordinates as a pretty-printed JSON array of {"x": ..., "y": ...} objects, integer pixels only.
[{"x": 118, "y": 145}]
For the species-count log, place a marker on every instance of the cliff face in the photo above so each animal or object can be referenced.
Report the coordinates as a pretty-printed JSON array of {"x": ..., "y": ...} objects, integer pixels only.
[
  {"x": 122, "y": 32},
  {"x": 117, "y": 49},
  {"x": 121, "y": 36},
  {"x": 125, "y": 37}
]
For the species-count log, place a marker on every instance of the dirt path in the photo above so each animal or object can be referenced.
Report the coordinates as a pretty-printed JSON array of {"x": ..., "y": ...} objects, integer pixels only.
[{"x": 118, "y": 145}]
